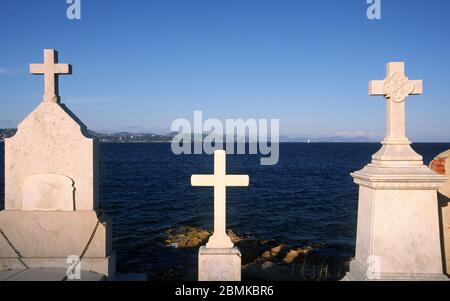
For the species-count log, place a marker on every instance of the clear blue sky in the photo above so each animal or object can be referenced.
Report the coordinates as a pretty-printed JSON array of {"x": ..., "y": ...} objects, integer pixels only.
[{"x": 139, "y": 64}]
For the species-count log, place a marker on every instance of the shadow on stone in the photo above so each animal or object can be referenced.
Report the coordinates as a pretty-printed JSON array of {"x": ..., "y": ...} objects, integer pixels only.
[{"x": 443, "y": 202}]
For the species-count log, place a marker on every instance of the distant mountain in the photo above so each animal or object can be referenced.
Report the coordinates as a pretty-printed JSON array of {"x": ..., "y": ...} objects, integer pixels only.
[
  {"x": 331, "y": 139},
  {"x": 130, "y": 137},
  {"x": 359, "y": 139},
  {"x": 116, "y": 137},
  {"x": 150, "y": 137}
]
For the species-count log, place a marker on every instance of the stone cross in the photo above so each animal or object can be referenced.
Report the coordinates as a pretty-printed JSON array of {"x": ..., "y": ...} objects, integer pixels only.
[
  {"x": 220, "y": 181},
  {"x": 395, "y": 88},
  {"x": 398, "y": 204},
  {"x": 51, "y": 69}
]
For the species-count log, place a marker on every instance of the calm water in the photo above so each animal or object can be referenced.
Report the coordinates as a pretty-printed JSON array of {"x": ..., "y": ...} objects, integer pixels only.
[{"x": 309, "y": 197}]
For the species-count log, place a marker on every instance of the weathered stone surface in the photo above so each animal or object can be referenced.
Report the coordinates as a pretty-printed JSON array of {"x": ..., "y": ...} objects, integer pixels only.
[
  {"x": 48, "y": 193},
  {"x": 101, "y": 265},
  {"x": 220, "y": 181},
  {"x": 219, "y": 264},
  {"x": 5, "y": 275},
  {"x": 51, "y": 168},
  {"x": 51, "y": 141},
  {"x": 47, "y": 274},
  {"x": 219, "y": 260},
  {"x": 53, "y": 234},
  {"x": 51, "y": 69},
  {"x": 45, "y": 239},
  {"x": 441, "y": 164},
  {"x": 398, "y": 234}
]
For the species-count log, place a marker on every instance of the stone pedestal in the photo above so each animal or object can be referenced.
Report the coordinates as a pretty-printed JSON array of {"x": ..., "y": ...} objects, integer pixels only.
[
  {"x": 398, "y": 223},
  {"x": 219, "y": 264},
  {"x": 398, "y": 235},
  {"x": 47, "y": 274},
  {"x": 46, "y": 239},
  {"x": 51, "y": 196},
  {"x": 51, "y": 142},
  {"x": 51, "y": 193},
  {"x": 219, "y": 260},
  {"x": 441, "y": 165}
]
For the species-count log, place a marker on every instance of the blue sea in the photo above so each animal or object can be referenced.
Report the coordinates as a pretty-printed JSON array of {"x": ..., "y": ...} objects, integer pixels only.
[{"x": 307, "y": 198}]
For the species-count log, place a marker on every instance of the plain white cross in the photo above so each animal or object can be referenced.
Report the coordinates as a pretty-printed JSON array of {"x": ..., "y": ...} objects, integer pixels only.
[
  {"x": 220, "y": 181},
  {"x": 51, "y": 69},
  {"x": 396, "y": 88}
]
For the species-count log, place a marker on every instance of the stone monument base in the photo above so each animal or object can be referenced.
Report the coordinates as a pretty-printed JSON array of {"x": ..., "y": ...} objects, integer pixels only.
[
  {"x": 219, "y": 264},
  {"x": 47, "y": 274},
  {"x": 441, "y": 165},
  {"x": 46, "y": 240},
  {"x": 444, "y": 204},
  {"x": 398, "y": 235},
  {"x": 360, "y": 272},
  {"x": 104, "y": 266}
]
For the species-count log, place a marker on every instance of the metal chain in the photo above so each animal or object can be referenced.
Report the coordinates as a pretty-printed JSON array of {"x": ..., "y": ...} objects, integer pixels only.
[
  {"x": 20, "y": 257},
  {"x": 85, "y": 249}
]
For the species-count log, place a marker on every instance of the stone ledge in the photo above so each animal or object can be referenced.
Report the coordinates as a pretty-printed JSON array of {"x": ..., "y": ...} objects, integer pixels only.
[
  {"x": 398, "y": 178},
  {"x": 67, "y": 232},
  {"x": 210, "y": 251},
  {"x": 105, "y": 266},
  {"x": 219, "y": 264},
  {"x": 359, "y": 272},
  {"x": 47, "y": 274}
]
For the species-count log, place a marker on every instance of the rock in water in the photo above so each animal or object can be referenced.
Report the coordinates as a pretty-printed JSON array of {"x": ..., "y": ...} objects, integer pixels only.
[
  {"x": 292, "y": 255},
  {"x": 272, "y": 253},
  {"x": 192, "y": 237}
]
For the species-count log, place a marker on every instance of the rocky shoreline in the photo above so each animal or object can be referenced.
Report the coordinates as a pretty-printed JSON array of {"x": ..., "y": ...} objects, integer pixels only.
[{"x": 268, "y": 260}]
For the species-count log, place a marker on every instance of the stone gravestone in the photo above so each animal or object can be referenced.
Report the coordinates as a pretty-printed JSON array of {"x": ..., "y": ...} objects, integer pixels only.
[
  {"x": 398, "y": 224},
  {"x": 441, "y": 165},
  {"x": 219, "y": 260},
  {"x": 51, "y": 190}
]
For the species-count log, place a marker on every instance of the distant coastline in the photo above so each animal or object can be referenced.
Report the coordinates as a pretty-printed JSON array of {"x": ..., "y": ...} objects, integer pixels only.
[
  {"x": 125, "y": 137},
  {"x": 122, "y": 137}
]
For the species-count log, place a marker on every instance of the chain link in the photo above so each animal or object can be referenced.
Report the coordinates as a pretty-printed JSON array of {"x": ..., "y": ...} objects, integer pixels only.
[
  {"x": 84, "y": 250},
  {"x": 20, "y": 257}
]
